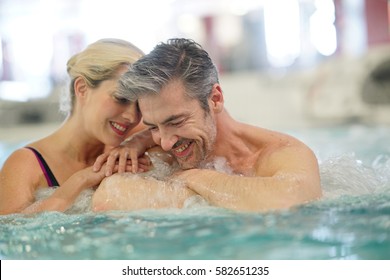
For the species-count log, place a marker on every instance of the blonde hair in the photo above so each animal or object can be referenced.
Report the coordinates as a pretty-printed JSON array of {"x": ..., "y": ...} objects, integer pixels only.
[{"x": 97, "y": 63}]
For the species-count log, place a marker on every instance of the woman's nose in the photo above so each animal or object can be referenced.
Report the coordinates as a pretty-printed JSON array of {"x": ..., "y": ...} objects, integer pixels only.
[{"x": 132, "y": 114}]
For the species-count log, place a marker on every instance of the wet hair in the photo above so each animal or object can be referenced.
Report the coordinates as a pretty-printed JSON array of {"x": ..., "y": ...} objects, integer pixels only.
[
  {"x": 178, "y": 59},
  {"x": 100, "y": 61}
]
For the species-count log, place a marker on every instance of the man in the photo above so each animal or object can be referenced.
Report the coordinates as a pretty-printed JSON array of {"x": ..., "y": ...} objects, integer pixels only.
[{"x": 182, "y": 103}]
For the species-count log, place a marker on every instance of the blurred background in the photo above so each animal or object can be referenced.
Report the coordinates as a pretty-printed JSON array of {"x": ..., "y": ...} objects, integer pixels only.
[{"x": 283, "y": 63}]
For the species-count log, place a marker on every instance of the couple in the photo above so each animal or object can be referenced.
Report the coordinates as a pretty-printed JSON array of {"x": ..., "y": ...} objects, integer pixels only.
[
  {"x": 176, "y": 89},
  {"x": 182, "y": 104}
]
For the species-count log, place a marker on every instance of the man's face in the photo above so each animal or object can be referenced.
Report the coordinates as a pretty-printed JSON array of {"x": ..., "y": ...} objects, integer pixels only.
[{"x": 179, "y": 124}]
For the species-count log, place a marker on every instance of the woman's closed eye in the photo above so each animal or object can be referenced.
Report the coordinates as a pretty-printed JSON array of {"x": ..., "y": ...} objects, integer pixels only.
[
  {"x": 153, "y": 128},
  {"x": 121, "y": 100}
]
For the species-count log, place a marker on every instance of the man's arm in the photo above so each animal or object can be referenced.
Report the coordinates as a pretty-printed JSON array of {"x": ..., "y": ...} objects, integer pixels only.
[
  {"x": 294, "y": 180},
  {"x": 134, "y": 192}
]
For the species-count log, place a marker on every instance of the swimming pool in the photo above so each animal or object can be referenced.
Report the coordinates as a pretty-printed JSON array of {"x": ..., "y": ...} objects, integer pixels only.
[{"x": 351, "y": 221}]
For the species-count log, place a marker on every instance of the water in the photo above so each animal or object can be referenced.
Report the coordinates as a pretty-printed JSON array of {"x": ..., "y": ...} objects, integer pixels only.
[{"x": 351, "y": 221}]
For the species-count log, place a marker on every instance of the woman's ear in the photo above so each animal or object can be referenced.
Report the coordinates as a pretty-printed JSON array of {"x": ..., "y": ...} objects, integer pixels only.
[
  {"x": 216, "y": 98},
  {"x": 80, "y": 87}
]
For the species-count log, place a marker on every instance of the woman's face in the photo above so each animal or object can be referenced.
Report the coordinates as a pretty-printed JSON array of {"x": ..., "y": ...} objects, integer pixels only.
[{"x": 108, "y": 118}]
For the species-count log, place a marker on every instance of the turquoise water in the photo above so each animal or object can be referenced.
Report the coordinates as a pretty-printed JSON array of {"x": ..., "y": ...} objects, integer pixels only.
[{"x": 351, "y": 221}]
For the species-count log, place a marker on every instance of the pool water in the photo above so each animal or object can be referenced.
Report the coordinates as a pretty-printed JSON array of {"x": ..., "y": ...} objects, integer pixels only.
[{"x": 351, "y": 221}]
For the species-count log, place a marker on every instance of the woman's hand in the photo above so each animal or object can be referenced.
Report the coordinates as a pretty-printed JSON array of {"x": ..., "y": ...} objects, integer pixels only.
[
  {"x": 122, "y": 159},
  {"x": 88, "y": 178},
  {"x": 130, "y": 152}
]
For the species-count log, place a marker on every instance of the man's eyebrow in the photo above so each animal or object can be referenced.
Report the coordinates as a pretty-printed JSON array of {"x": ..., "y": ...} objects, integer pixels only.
[{"x": 167, "y": 120}]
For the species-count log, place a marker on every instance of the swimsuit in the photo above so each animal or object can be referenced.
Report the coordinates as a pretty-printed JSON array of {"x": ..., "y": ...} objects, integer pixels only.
[{"x": 51, "y": 180}]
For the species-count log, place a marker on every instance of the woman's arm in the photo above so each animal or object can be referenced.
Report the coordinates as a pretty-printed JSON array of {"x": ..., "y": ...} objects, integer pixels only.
[
  {"x": 64, "y": 196},
  {"x": 21, "y": 177}
]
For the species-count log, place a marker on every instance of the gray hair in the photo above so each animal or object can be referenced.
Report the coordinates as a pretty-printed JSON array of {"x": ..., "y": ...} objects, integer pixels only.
[{"x": 181, "y": 59}]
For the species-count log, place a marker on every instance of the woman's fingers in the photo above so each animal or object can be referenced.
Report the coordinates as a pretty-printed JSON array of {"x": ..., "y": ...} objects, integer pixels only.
[
  {"x": 144, "y": 163},
  {"x": 111, "y": 162},
  {"x": 99, "y": 162},
  {"x": 122, "y": 162},
  {"x": 134, "y": 161}
]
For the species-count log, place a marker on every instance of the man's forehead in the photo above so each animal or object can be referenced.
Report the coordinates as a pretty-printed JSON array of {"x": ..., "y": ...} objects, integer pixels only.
[{"x": 157, "y": 103}]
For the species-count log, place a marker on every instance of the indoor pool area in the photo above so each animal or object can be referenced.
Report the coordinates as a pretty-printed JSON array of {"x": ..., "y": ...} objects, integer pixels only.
[
  {"x": 351, "y": 221},
  {"x": 318, "y": 70}
]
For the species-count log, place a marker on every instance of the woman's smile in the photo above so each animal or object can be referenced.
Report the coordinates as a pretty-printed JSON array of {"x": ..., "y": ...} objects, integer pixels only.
[{"x": 118, "y": 128}]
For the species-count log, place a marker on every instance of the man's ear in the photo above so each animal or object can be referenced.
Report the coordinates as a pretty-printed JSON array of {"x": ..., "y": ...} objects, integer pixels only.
[
  {"x": 216, "y": 98},
  {"x": 80, "y": 87}
]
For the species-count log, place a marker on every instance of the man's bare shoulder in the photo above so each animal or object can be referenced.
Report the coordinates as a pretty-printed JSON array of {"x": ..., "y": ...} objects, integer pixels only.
[
  {"x": 278, "y": 151},
  {"x": 270, "y": 140}
]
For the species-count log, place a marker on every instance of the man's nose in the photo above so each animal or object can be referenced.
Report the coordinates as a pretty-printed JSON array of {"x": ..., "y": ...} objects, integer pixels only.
[{"x": 165, "y": 139}]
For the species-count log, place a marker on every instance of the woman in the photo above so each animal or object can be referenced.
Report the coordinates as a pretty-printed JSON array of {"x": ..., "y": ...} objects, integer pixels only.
[{"x": 98, "y": 120}]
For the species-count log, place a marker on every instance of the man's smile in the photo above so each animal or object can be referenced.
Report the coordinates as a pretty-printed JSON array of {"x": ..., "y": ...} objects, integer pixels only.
[{"x": 182, "y": 149}]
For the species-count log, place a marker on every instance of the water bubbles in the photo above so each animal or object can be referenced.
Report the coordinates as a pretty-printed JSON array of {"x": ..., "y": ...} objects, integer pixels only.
[
  {"x": 219, "y": 164},
  {"x": 61, "y": 230},
  {"x": 347, "y": 175}
]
